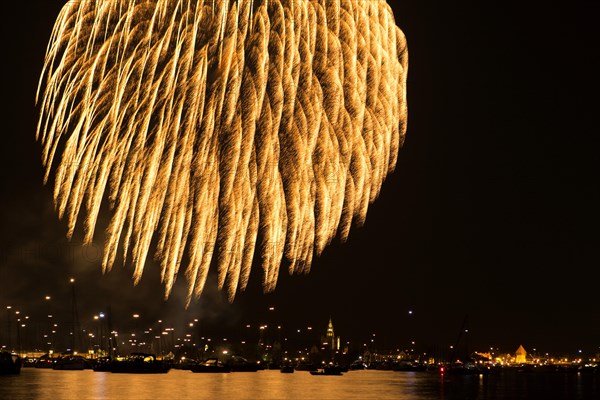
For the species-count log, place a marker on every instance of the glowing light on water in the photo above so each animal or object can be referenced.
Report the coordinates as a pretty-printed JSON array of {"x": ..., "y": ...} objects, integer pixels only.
[{"x": 221, "y": 126}]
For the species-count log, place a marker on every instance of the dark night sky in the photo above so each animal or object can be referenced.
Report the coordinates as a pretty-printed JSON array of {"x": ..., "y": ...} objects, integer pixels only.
[{"x": 491, "y": 212}]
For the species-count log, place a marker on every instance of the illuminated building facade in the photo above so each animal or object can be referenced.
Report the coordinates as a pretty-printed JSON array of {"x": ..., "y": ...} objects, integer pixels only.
[{"x": 520, "y": 355}]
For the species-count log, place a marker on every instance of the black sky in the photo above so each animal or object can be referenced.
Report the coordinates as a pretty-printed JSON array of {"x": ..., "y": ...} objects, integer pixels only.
[{"x": 491, "y": 212}]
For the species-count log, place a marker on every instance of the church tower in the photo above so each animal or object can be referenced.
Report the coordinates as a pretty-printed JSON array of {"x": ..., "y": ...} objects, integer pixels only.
[{"x": 330, "y": 338}]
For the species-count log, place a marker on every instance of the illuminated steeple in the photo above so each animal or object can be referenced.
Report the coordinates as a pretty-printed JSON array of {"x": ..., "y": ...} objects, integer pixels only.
[
  {"x": 330, "y": 334},
  {"x": 330, "y": 338}
]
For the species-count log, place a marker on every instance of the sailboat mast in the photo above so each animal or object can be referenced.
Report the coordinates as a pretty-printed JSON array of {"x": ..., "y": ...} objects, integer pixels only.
[{"x": 75, "y": 334}]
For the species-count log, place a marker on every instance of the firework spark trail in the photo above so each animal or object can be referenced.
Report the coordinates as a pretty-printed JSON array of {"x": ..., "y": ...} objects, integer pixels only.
[{"x": 211, "y": 124}]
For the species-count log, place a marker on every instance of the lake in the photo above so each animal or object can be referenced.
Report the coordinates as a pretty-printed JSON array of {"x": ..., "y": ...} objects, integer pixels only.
[{"x": 271, "y": 384}]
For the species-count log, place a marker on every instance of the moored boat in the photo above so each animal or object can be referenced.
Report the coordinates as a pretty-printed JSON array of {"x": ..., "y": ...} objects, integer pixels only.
[
  {"x": 406, "y": 366},
  {"x": 287, "y": 369},
  {"x": 10, "y": 364},
  {"x": 210, "y": 365},
  {"x": 240, "y": 364},
  {"x": 357, "y": 365},
  {"x": 328, "y": 370},
  {"x": 139, "y": 363},
  {"x": 103, "y": 364},
  {"x": 71, "y": 363},
  {"x": 467, "y": 368},
  {"x": 45, "y": 361},
  {"x": 306, "y": 366}
]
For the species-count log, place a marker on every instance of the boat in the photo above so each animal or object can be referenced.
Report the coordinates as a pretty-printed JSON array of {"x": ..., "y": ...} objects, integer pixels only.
[
  {"x": 382, "y": 366},
  {"x": 240, "y": 364},
  {"x": 210, "y": 365},
  {"x": 328, "y": 370},
  {"x": 467, "y": 368},
  {"x": 287, "y": 369},
  {"x": 139, "y": 363},
  {"x": 407, "y": 366},
  {"x": 45, "y": 361},
  {"x": 71, "y": 363},
  {"x": 10, "y": 364},
  {"x": 103, "y": 364},
  {"x": 28, "y": 362},
  {"x": 184, "y": 364},
  {"x": 357, "y": 365},
  {"x": 468, "y": 365},
  {"x": 306, "y": 366}
]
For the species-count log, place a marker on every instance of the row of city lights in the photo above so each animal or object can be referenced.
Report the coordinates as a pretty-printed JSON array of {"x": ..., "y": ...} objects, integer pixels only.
[{"x": 188, "y": 337}]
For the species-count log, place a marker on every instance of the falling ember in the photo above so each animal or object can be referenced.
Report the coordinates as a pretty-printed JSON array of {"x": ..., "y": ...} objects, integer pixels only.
[{"x": 221, "y": 126}]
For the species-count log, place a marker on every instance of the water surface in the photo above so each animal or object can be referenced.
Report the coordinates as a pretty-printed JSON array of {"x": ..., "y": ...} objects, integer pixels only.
[{"x": 49, "y": 384}]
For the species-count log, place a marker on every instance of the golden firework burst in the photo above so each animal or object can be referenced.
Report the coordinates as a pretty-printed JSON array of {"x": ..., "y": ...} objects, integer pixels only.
[{"x": 221, "y": 126}]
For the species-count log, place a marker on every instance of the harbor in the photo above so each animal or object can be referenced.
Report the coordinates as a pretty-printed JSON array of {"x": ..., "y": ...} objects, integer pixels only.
[{"x": 159, "y": 349}]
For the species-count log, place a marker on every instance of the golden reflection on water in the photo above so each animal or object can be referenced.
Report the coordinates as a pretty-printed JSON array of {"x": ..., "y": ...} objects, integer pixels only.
[
  {"x": 50, "y": 384},
  {"x": 381, "y": 385}
]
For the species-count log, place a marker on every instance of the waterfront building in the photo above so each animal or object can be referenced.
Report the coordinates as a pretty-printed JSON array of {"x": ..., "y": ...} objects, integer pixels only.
[{"x": 520, "y": 355}]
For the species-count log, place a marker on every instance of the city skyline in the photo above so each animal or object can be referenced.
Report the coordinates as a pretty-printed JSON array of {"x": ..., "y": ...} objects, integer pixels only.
[{"x": 106, "y": 334}]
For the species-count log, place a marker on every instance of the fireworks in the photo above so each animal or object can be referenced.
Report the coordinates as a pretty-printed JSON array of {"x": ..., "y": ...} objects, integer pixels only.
[{"x": 221, "y": 127}]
